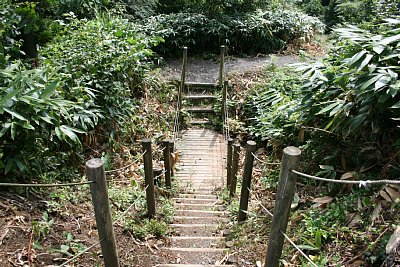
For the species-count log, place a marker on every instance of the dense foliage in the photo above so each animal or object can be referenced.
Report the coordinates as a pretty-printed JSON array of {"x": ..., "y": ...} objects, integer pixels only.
[
  {"x": 351, "y": 96},
  {"x": 92, "y": 73},
  {"x": 107, "y": 56},
  {"x": 259, "y": 31}
]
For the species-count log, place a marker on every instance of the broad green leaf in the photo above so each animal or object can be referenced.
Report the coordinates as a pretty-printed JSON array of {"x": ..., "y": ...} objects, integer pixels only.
[
  {"x": 14, "y": 114},
  {"x": 357, "y": 57},
  {"x": 390, "y": 40},
  {"x": 5, "y": 128},
  {"x": 10, "y": 95},
  {"x": 50, "y": 89},
  {"x": 328, "y": 108},
  {"x": 378, "y": 49},
  {"x": 371, "y": 81},
  {"x": 365, "y": 62},
  {"x": 68, "y": 131},
  {"x": 382, "y": 82},
  {"x": 397, "y": 105},
  {"x": 25, "y": 125}
]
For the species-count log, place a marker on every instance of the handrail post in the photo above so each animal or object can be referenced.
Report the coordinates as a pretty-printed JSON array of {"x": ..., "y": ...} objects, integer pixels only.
[
  {"x": 284, "y": 197},
  {"x": 251, "y": 147},
  {"x": 172, "y": 162},
  {"x": 224, "y": 106},
  {"x": 183, "y": 77},
  {"x": 221, "y": 65},
  {"x": 149, "y": 177},
  {"x": 235, "y": 167},
  {"x": 167, "y": 163},
  {"x": 99, "y": 191},
  {"x": 229, "y": 163}
]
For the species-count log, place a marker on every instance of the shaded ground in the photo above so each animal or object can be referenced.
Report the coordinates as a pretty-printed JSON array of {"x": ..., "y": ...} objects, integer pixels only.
[{"x": 201, "y": 70}]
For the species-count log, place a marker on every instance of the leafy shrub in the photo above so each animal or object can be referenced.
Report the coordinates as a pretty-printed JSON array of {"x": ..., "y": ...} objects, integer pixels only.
[
  {"x": 271, "y": 108},
  {"x": 354, "y": 91},
  {"x": 36, "y": 119},
  {"x": 109, "y": 57},
  {"x": 260, "y": 31}
]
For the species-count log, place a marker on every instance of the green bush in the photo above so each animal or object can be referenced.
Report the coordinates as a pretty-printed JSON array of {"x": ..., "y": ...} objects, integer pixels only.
[
  {"x": 108, "y": 56},
  {"x": 259, "y": 31},
  {"x": 354, "y": 93},
  {"x": 36, "y": 119},
  {"x": 271, "y": 108}
]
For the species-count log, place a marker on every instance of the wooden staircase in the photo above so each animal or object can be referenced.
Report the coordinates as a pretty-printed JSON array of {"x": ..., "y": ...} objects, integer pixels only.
[
  {"x": 198, "y": 239},
  {"x": 198, "y": 99}
]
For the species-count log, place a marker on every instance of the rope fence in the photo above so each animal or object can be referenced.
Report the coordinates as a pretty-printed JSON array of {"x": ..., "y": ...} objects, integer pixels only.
[
  {"x": 288, "y": 238},
  {"x": 264, "y": 162},
  {"x": 45, "y": 185},
  {"x": 284, "y": 197},
  {"x": 360, "y": 183},
  {"x": 129, "y": 165}
]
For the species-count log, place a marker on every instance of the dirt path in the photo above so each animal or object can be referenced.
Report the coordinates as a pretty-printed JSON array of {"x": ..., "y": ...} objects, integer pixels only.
[{"x": 201, "y": 70}]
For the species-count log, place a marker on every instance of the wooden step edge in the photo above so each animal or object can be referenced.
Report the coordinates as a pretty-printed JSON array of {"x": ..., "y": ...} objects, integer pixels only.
[
  {"x": 192, "y": 265},
  {"x": 198, "y": 196},
  {"x": 179, "y": 238},
  {"x": 199, "y": 122},
  {"x": 208, "y": 205},
  {"x": 201, "y": 211},
  {"x": 214, "y": 199},
  {"x": 200, "y": 109},
  {"x": 196, "y": 249},
  {"x": 190, "y": 225},
  {"x": 200, "y": 97}
]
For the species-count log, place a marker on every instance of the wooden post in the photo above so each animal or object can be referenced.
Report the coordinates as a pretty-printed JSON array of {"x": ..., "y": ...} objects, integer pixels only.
[
  {"x": 224, "y": 106},
  {"x": 149, "y": 178},
  {"x": 229, "y": 163},
  {"x": 235, "y": 167},
  {"x": 98, "y": 189},
  {"x": 167, "y": 163},
  {"x": 284, "y": 198},
  {"x": 221, "y": 65},
  {"x": 246, "y": 182},
  {"x": 183, "y": 77},
  {"x": 172, "y": 164}
]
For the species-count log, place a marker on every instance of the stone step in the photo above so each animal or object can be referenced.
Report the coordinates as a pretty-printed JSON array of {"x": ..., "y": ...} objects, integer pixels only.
[
  {"x": 199, "y": 213},
  {"x": 192, "y": 265},
  {"x": 200, "y": 109},
  {"x": 199, "y": 196},
  {"x": 191, "y": 229},
  {"x": 197, "y": 241},
  {"x": 196, "y": 200},
  {"x": 195, "y": 255},
  {"x": 190, "y": 219},
  {"x": 191, "y": 206},
  {"x": 200, "y": 122},
  {"x": 200, "y": 97}
]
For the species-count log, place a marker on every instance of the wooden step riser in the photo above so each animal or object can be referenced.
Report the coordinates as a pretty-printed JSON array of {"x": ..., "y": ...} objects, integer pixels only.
[
  {"x": 198, "y": 213},
  {"x": 196, "y": 242},
  {"x": 199, "y": 207},
  {"x": 189, "y": 219},
  {"x": 205, "y": 258}
]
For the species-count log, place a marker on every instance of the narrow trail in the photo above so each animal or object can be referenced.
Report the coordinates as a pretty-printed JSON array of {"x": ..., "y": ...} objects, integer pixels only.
[
  {"x": 206, "y": 70},
  {"x": 198, "y": 239}
]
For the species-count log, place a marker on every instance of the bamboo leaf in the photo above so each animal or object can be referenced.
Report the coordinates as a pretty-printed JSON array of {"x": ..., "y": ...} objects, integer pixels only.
[
  {"x": 14, "y": 114},
  {"x": 49, "y": 91}
]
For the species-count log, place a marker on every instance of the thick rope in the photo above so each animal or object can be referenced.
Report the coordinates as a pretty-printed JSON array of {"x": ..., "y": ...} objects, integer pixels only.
[
  {"x": 45, "y": 185},
  {"x": 267, "y": 163},
  {"x": 288, "y": 238},
  {"x": 360, "y": 183},
  {"x": 129, "y": 165}
]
